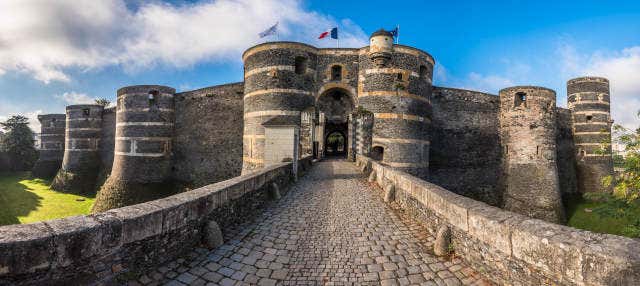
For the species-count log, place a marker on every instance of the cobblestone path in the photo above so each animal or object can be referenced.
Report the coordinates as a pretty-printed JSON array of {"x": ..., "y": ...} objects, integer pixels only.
[{"x": 330, "y": 229}]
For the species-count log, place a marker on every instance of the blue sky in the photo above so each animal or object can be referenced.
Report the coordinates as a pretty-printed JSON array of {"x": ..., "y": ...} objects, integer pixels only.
[{"x": 65, "y": 52}]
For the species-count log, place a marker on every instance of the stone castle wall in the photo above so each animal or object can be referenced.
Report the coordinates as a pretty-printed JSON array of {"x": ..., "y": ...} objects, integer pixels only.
[
  {"x": 207, "y": 145},
  {"x": 465, "y": 145}
]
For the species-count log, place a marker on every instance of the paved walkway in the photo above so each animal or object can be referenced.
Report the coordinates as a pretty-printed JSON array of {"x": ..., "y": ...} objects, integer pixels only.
[{"x": 330, "y": 229}]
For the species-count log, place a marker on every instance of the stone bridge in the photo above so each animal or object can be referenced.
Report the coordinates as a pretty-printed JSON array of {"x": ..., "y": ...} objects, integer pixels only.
[{"x": 331, "y": 227}]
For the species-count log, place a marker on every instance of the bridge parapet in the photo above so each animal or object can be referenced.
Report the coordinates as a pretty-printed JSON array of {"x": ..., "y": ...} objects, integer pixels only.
[
  {"x": 512, "y": 248},
  {"x": 100, "y": 247}
]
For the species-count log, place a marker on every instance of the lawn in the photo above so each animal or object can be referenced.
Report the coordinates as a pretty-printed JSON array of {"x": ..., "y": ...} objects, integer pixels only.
[
  {"x": 24, "y": 199},
  {"x": 580, "y": 215}
]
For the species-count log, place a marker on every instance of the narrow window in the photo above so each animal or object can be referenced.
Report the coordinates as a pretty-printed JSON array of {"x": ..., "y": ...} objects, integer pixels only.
[
  {"x": 300, "y": 65},
  {"x": 86, "y": 112},
  {"x": 153, "y": 96},
  {"x": 336, "y": 72},
  {"x": 423, "y": 72},
  {"x": 520, "y": 99},
  {"x": 589, "y": 118},
  {"x": 377, "y": 153},
  {"x": 537, "y": 150},
  {"x": 52, "y": 123},
  {"x": 399, "y": 76}
]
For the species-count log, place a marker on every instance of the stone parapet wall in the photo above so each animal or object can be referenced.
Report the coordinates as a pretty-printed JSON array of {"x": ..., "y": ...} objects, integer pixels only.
[
  {"x": 99, "y": 248},
  {"x": 513, "y": 249}
]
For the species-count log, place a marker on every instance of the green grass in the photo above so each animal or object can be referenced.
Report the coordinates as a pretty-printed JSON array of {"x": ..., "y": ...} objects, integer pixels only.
[
  {"x": 582, "y": 219},
  {"x": 24, "y": 199}
]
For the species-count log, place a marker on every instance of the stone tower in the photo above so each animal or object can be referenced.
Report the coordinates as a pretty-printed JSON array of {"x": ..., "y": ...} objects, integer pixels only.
[
  {"x": 395, "y": 85},
  {"x": 142, "y": 158},
  {"x": 588, "y": 99},
  {"x": 81, "y": 158},
  {"x": 279, "y": 85},
  {"x": 528, "y": 135},
  {"x": 51, "y": 146}
]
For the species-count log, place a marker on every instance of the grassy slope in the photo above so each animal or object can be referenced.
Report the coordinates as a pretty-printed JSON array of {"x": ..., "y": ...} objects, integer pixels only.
[
  {"x": 25, "y": 200},
  {"x": 581, "y": 219}
]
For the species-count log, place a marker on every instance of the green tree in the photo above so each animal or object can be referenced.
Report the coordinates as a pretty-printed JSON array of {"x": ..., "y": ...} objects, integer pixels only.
[
  {"x": 17, "y": 143},
  {"x": 624, "y": 202},
  {"x": 103, "y": 101}
]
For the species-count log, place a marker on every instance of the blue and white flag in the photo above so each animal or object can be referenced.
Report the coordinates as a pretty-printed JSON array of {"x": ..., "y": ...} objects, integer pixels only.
[
  {"x": 271, "y": 31},
  {"x": 395, "y": 31}
]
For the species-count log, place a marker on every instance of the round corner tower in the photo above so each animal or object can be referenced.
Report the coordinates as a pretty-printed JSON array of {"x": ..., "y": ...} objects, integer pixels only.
[
  {"x": 279, "y": 85},
  {"x": 589, "y": 100},
  {"x": 142, "y": 157},
  {"x": 395, "y": 85},
  {"x": 81, "y": 152},
  {"x": 51, "y": 145},
  {"x": 528, "y": 135}
]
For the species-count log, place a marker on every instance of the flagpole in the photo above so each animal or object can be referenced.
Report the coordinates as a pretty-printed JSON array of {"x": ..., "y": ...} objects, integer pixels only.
[{"x": 398, "y": 36}]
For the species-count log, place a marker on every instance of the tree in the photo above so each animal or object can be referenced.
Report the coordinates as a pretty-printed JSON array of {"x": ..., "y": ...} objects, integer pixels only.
[
  {"x": 17, "y": 143},
  {"x": 103, "y": 101},
  {"x": 624, "y": 202}
]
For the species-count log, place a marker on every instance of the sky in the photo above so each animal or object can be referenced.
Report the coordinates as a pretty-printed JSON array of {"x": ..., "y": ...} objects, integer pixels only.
[{"x": 56, "y": 53}]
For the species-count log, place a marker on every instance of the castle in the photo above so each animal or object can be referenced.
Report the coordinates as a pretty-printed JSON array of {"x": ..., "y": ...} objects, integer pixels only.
[{"x": 517, "y": 149}]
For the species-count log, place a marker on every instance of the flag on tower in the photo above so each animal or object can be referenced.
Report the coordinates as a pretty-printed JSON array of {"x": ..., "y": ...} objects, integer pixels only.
[
  {"x": 271, "y": 31},
  {"x": 394, "y": 32},
  {"x": 333, "y": 33}
]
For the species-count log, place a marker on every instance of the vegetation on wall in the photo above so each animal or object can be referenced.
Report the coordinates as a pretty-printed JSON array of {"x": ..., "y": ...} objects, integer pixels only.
[
  {"x": 103, "y": 101},
  {"x": 622, "y": 206},
  {"x": 18, "y": 143}
]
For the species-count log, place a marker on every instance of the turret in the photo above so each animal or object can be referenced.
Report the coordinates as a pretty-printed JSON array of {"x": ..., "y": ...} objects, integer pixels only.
[
  {"x": 142, "y": 158},
  {"x": 51, "y": 146},
  {"x": 279, "y": 86},
  {"x": 81, "y": 159},
  {"x": 395, "y": 86},
  {"x": 528, "y": 136},
  {"x": 381, "y": 47},
  {"x": 589, "y": 101}
]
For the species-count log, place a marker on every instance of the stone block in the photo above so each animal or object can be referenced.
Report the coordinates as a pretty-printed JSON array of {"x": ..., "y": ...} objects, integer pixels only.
[
  {"x": 25, "y": 248},
  {"x": 76, "y": 239},
  {"x": 450, "y": 206},
  {"x": 139, "y": 221},
  {"x": 493, "y": 226},
  {"x": 389, "y": 192},
  {"x": 443, "y": 241},
  {"x": 213, "y": 235},
  {"x": 274, "y": 191},
  {"x": 549, "y": 248},
  {"x": 372, "y": 176},
  {"x": 611, "y": 260},
  {"x": 181, "y": 209}
]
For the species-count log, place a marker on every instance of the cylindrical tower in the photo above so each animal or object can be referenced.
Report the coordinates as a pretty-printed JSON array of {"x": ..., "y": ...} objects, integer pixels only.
[
  {"x": 528, "y": 136},
  {"x": 279, "y": 84},
  {"x": 589, "y": 102},
  {"x": 142, "y": 158},
  {"x": 395, "y": 85},
  {"x": 81, "y": 158},
  {"x": 51, "y": 145}
]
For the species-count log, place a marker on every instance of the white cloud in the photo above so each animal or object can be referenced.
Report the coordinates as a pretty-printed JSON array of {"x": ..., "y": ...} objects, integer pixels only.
[
  {"x": 622, "y": 68},
  {"x": 488, "y": 83},
  {"x": 32, "y": 116},
  {"x": 47, "y": 38},
  {"x": 75, "y": 98}
]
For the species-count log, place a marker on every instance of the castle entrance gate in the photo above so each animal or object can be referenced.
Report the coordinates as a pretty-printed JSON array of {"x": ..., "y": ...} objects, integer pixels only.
[{"x": 335, "y": 105}]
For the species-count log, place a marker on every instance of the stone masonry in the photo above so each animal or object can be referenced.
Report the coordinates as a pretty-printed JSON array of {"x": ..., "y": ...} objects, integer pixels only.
[{"x": 331, "y": 229}]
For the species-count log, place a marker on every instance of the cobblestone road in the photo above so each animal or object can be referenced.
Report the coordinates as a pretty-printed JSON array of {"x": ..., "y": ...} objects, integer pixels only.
[{"x": 330, "y": 229}]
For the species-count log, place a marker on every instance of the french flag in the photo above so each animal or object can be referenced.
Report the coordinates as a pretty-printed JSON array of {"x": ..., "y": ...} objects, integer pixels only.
[{"x": 333, "y": 32}]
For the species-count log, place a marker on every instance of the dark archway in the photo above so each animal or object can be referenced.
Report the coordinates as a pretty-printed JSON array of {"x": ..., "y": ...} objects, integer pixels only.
[
  {"x": 335, "y": 144},
  {"x": 377, "y": 153},
  {"x": 336, "y": 104}
]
